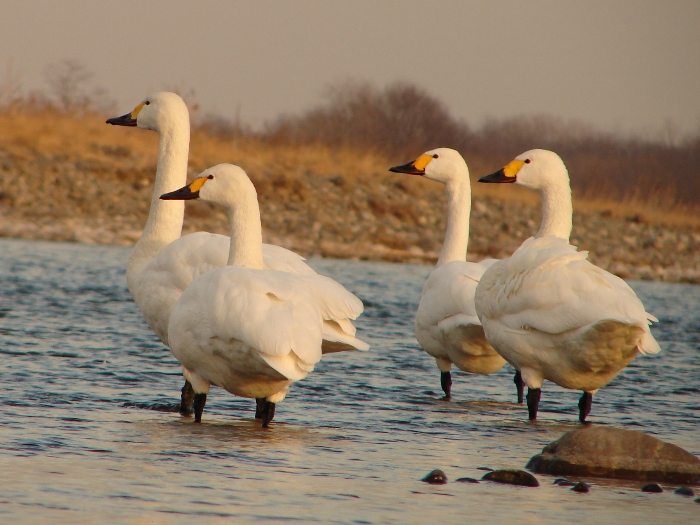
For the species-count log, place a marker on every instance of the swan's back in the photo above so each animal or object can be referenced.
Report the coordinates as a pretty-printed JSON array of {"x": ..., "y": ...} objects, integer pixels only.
[
  {"x": 548, "y": 286},
  {"x": 159, "y": 285}
]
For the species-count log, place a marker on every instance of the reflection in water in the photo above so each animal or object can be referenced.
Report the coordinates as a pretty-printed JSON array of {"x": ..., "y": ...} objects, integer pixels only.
[{"x": 87, "y": 435}]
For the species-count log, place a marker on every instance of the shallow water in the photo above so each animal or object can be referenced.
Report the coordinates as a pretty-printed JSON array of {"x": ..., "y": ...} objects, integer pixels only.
[{"x": 86, "y": 437}]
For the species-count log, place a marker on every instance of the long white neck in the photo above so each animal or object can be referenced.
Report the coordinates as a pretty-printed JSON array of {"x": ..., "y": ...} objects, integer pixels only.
[
  {"x": 557, "y": 210},
  {"x": 164, "y": 223},
  {"x": 459, "y": 204},
  {"x": 246, "y": 235}
]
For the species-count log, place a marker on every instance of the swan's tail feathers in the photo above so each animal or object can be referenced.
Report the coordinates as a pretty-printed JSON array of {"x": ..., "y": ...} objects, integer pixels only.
[
  {"x": 337, "y": 339},
  {"x": 289, "y": 366},
  {"x": 454, "y": 321},
  {"x": 648, "y": 345}
]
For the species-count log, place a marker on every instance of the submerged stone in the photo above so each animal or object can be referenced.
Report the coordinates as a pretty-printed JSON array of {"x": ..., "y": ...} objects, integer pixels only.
[
  {"x": 435, "y": 477},
  {"x": 512, "y": 477},
  {"x": 616, "y": 453},
  {"x": 563, "y": 482},
  {"x": 467, "y": 480},
  {"x": 684, "y": 491},
  {"x": 581, "y": 486},
  {"x": 652, "y": 487}
]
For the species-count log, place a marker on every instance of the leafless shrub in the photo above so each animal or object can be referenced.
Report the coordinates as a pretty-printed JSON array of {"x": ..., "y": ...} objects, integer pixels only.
[
  {"x": 11, "y": 88},
  {"x": 403, "y": 121}
]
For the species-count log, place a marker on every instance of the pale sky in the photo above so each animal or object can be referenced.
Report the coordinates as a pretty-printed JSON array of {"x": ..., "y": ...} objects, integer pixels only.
[{"x": 628, "y": 66}]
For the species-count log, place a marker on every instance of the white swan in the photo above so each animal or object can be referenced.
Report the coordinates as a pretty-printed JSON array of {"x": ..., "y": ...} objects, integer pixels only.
[
  {"x": 163, "y": 264},
  {"x": 447, "y": 326},
  {"x": 546, "y": 309},
  {"x": 249, "y": 330}
]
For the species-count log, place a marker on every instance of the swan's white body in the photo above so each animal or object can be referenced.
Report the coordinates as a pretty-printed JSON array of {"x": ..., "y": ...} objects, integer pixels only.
[
  {"x": 552, "y": 314},
  {"x": 163, "y": 264},
  {"x": 447, "y": 326},
  {"x": 241, "y": 327}
]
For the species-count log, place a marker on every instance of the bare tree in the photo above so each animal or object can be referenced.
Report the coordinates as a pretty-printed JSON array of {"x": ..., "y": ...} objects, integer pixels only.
[
  {"x": 11, "y": 88},
  {"x": 70, "y": 84}
]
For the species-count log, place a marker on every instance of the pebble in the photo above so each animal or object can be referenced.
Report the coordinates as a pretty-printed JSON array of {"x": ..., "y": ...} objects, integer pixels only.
[
  {"x": 652, "y": 487},
  {"x": 467, "y": 480},
  {"x": 684, "y": 491},
  {"x": 563, "y": 482},
  {"x": 435, "y": 477},
  {"x": 512, "y": 477},
  {"x": 581, "y": 486}
]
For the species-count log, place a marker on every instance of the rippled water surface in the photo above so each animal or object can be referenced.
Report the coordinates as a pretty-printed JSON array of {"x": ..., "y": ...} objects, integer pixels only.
[{"x": 86, "y": 435}]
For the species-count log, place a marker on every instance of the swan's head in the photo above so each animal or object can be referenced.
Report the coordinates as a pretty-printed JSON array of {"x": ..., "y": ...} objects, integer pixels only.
[
  {"x": 156, "y": 112},
  {"x": 441, "y": 164},
  {"x": 224, "y": 184},
  {"x": 534, "y": 169}
]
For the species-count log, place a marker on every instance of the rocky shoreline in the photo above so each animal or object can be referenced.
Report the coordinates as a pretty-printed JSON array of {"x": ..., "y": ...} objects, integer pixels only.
[
  {"x": 91, "y": 183},
  {"x": 628, "y": 248}
]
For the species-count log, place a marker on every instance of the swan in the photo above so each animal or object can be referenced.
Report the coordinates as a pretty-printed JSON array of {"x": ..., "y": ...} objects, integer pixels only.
[
  {"x": 242, "y": 327},
  {"x": 447, "y": 326},
  {"x": 552, "y": 314},
  {"x": 163, "y": 264}
]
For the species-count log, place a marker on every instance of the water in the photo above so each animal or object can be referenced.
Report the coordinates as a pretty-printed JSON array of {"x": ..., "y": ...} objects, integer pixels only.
[{"x": 85, "y": 435}]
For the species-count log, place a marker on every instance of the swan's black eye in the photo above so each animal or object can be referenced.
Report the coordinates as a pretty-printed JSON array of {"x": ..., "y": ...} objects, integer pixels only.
[
  {"x": 436, "y": 156},
  {"x": 210, "y": 177},
  {"x": 148, "y": 102},
  {"x": 527, "y": 161}
]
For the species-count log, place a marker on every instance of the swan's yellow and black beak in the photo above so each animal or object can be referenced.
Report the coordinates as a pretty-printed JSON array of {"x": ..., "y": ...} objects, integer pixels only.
[
  {"x": 186, "y": 193},
  {"x": 417, "y": 167},
  {"x": 127, "y": 120},
  {"x": 506, "y": 174}
]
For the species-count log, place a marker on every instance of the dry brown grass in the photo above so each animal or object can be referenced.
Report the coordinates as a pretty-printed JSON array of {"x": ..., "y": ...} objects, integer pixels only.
[{"x": 73, "y": 177}]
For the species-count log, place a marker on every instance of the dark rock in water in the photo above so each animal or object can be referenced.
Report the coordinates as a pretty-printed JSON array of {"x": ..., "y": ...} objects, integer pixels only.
[
  {"x": 697, "y": 500},
  {"x": 563, "y": 482},
  {"x": 684, "y": 491},
  {"x": 652, "y": 487},
  {"x": 581, "y": 486},
  {"x": 467, "y": 480},
  {"x": 436, "y": 477},
  {"x": 484, "y": 468},
  {"x": 512, "y": 477},
  {"x": 616, "y": 453}
]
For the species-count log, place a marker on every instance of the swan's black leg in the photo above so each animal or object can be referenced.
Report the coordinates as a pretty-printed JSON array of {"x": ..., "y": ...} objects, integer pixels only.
[
  {"x": 199, "y": 401},
  {"x": 186, "y": 399},
  {"x": 268, "y": 413},
  {"x": 533, "y": 402},
  {"x": 446, "y": 383},
  {"x": 259, "y": 407},
  {"x": 519, "y": 385},
  {"x": 584, "y": 406}
]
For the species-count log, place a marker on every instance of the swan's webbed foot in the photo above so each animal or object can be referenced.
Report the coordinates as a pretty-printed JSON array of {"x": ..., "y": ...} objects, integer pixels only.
[
  {"x": 199, "y": 401},
  {"x": 446, "y": 383},
  {"x": 584, "y": 406},
  {"x": 519, "y": 385},
  {"x": 259, "y": 407},
  {"x": 186, "y": 399},
  {"x": 533, "y": 402},
  {"x": 268, "y": 413}
]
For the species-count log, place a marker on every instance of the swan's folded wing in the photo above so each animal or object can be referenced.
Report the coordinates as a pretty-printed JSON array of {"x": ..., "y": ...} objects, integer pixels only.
[
  {"x": 268, "y": 311},
  {"x": 283, "y": 260},
  {"x": 549, "y": 286}
]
